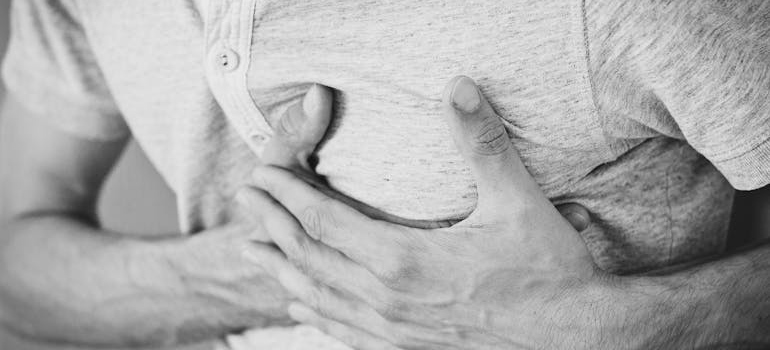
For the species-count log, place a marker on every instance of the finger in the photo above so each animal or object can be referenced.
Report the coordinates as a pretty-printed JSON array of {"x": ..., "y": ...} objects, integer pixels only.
[
  {"x": 330, "y": 221},
  {"x": 377, "y": 214},
  {"x": 314, "y": 259},
  {"x": 299, "y": 130},
  {"x": 368, "y": 210},
  {"x": 234, "y": 342},
  {"x": 483, "y": 141},
  {"x": 576, "y": 215},
  {"x": 321, "y": 297},
  {"x": 325, "y": 300},
  {"x": 353, "y": 337}
]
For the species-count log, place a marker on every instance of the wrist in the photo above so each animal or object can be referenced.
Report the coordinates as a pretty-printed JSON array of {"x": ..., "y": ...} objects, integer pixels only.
[
  {"x": 616, "y": 312},
  {"x": 160, "y": 303},
  {"x": 609, "y": 314},
  {"x": 661, "y": 312},
  {"x": 585, "y": 314},
  {"x": 234, "y": 293}
]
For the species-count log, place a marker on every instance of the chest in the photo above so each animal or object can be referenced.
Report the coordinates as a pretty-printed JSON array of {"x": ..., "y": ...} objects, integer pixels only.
[{"x": 389, "y": 62}]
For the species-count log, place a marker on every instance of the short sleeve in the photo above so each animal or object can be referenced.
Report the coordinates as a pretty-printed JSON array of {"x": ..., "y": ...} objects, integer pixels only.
[
  {"x": 712, "y": 72},
  {"x": 50, "y": 68},
  {"x": 700, "y": 71}
]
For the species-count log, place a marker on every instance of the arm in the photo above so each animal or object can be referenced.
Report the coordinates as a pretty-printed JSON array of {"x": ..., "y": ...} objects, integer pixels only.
[
  {"x": 511, "y": 275},
  {"x": 64, "y": 279},
  {"x": 711, "y": 76},
  {"x": 724, "y": 304},
  {"x": 722, "y": 300}
]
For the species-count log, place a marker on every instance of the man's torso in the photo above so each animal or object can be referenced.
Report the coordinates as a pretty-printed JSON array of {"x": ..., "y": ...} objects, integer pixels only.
[{"x": 653, "y": 199}]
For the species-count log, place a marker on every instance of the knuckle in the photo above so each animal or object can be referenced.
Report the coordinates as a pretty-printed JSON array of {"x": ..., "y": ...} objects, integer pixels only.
[
  {"x": 316, "y": 220},
  {"x": 391, "y": 308},
  {"x": 328, "y": 304},
  {"x": 491, "y": 138},
  {"x": 301, "y": 257},
  {"x": 324, "y": 310},
  {"x": 316, "y": 299},
  {"x": 313, "y": 219},
  {"x": 393, "y": 274},
  {"x": 403, "y": 338},
  {"x": 396, "y": 273}
]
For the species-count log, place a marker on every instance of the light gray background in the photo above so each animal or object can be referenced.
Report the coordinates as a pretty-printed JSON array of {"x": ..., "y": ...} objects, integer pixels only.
[{"x": 135, "y": 199}]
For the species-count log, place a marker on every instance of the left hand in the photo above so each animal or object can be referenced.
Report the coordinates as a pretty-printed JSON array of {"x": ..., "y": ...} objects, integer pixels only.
[{"x": 514, "y": 274}]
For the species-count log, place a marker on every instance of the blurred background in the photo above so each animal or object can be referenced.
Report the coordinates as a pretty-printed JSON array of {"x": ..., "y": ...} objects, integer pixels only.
[{"x": 135, "y": 198}]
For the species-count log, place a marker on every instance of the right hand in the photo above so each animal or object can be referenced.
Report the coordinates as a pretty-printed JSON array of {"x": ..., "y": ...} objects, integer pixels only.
[
  {"x": 302, "y": 127},
  {"x": 232, "y": 291},
  {"x": 211, "y": 264}
]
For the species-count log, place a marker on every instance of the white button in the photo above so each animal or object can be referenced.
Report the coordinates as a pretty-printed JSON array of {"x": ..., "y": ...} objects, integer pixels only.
[{"x": 227, "y": 60}]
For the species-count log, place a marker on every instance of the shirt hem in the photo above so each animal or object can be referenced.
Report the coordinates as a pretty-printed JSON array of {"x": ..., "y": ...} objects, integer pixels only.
[{"x": 750, "y": 170}]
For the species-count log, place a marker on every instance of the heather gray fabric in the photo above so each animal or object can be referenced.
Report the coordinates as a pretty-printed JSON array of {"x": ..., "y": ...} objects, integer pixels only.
[
  {"x": 641, "y": 111},
  {"x": 655, "y": 200}
]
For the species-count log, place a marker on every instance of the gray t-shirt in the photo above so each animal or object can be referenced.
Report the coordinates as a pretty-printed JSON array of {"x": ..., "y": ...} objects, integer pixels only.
[
  {"x": 615, "y": 110},
  {"x": 641, "y": 111}
]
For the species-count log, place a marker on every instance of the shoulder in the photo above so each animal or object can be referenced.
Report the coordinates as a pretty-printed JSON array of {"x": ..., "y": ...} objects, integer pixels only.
[
  {"x": 693, "y": 55},
  {"x": 656, "y": 38},
  {"x": 704, "y": 65}
]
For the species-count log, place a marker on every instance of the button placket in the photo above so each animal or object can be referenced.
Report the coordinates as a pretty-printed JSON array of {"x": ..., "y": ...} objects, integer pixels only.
[{"x": 229, "y": 42}]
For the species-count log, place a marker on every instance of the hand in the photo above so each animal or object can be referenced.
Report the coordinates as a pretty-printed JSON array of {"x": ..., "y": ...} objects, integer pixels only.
[
  {"x": 210, "y": 264},
  {"x": 296, "y": 137},
  {"x": 302, "y": 127},
  {"x": 513, "y": 274}
]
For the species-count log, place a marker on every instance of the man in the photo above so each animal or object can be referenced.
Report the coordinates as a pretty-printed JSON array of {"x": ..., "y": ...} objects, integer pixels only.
[{"x": 630, "y": 132}]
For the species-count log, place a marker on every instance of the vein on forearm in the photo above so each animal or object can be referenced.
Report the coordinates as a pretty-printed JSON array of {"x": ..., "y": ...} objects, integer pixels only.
[{"x": 720, "y": 302}]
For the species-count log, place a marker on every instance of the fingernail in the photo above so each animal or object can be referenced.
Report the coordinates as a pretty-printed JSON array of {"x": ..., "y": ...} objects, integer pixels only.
[
  {"x": 581, "y": 221},
  {"x": 465, "y": 95},
  {"x": 312, "y": 101}
]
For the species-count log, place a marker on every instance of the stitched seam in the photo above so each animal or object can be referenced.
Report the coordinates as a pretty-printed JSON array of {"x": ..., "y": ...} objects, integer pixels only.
[
  {"x": 590, "y": 73},
  {"x": 764, "y": 140}
]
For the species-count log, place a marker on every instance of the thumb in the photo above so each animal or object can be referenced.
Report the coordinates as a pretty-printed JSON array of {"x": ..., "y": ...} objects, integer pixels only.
[
  {"x": 299, "y": 130},
  {"x": 483, "y": 142}
]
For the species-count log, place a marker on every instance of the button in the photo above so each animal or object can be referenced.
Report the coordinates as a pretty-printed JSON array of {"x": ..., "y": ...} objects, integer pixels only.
[{"x": 228, "y": 60}]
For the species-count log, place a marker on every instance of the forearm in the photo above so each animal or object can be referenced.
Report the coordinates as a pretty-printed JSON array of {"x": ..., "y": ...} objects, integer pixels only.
[
  {"x": 63, "y": 280},
  {"x": 723, "y": 303}
]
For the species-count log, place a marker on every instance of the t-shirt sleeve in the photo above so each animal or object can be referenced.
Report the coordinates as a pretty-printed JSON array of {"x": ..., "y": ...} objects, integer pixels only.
[
  {"x": 50, "y": 68},
  {"x": 708, "y": 62}
]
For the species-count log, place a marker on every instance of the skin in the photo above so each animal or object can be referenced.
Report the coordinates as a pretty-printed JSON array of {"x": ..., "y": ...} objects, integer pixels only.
[
  {"x": 63, "y": 279},
  {"x": 513, "y": 275}
]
